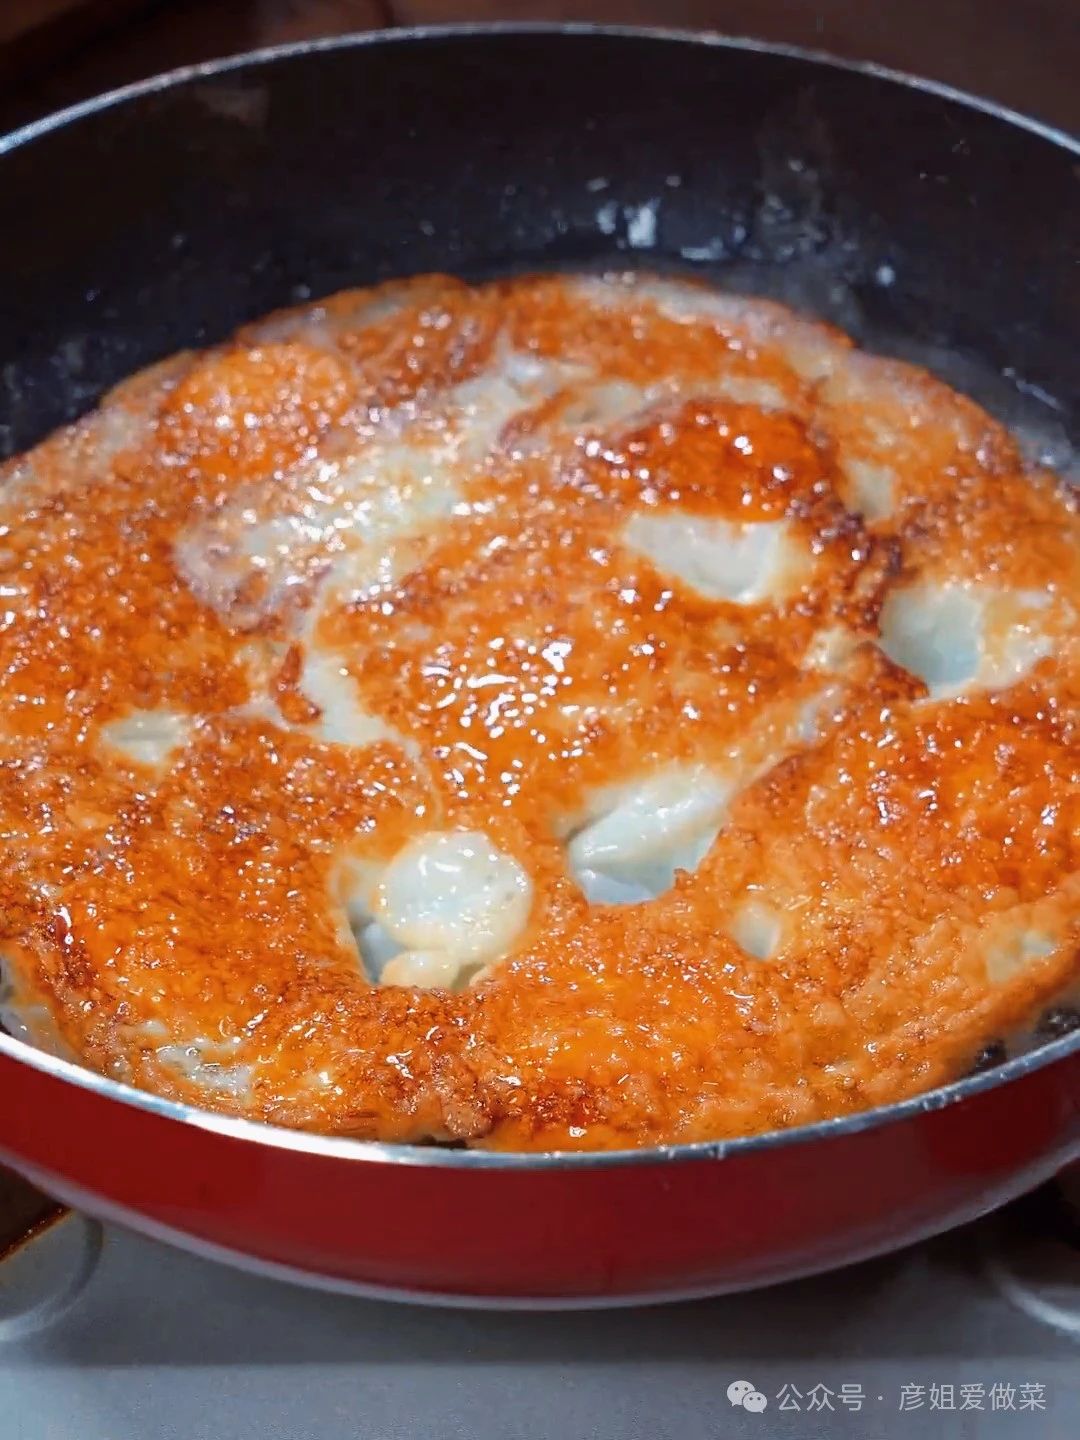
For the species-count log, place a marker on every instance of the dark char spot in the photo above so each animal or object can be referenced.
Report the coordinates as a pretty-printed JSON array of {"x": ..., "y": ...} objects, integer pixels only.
[
  {"x": 1058, "y": 1021},
  {"x": 988, "y": 1057}
]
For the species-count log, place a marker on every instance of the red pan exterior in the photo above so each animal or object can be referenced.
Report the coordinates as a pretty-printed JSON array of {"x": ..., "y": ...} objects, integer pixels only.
[{"x": 611, "y": 1229}]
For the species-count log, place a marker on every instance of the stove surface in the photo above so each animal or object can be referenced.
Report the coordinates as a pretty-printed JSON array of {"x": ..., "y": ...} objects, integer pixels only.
[{"x": 106, "y": 1336}]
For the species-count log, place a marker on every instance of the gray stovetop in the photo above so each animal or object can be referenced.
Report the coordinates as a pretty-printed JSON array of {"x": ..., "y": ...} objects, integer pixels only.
[{"x": 136, "y": 1342}]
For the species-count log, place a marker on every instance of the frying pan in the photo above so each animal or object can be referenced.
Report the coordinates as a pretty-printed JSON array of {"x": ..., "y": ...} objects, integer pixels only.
[{"x": 928, "y": 224}]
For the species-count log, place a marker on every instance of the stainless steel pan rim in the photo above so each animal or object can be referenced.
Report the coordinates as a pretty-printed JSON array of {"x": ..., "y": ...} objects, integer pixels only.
[
  {"x": 210, "y": 69},
  {"x": 338, "y": 1147}
]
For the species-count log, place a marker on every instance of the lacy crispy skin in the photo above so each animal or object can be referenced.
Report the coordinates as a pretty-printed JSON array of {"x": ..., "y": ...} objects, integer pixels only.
[{"x": 439, "y": 561}]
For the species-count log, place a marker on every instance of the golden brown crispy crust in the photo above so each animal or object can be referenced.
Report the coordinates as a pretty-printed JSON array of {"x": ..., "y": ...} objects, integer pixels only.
[{"x": 521, "y": 654}]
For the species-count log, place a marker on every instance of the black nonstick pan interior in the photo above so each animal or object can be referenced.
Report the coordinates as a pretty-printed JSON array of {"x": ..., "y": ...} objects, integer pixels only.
[{"x": 926, "y": 226}]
